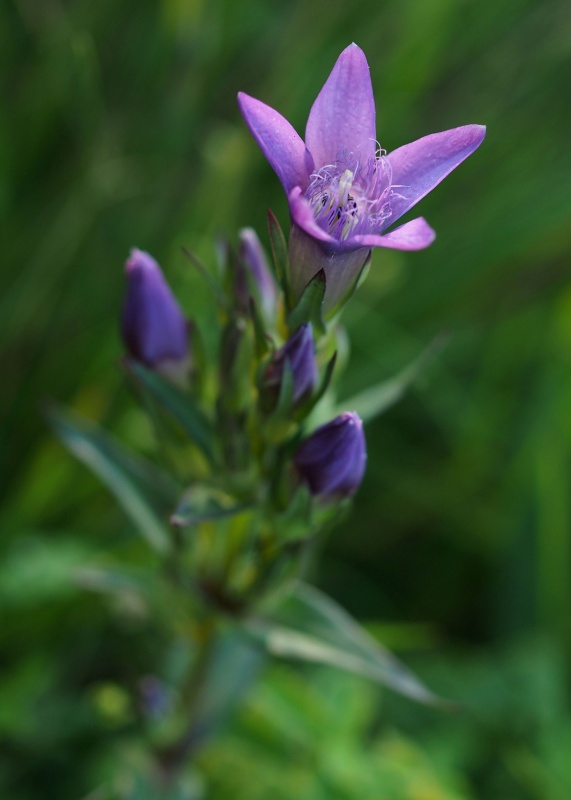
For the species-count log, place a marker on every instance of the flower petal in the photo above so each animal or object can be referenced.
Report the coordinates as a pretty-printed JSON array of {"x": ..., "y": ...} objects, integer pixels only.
[
  {"x": 420, "y": 166},
  {"x": 304, "y": 218},
  {"x": 414, "y": 235},
  {"x": 343, "y": 115},
  {"x": 278, "y": 141}
]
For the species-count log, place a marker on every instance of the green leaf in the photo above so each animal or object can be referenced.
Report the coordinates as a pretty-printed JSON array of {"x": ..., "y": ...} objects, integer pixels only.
[
  {"x": 279, "y": 424},
  {"x": 111, "y": 580},
  {"x": 310, "y": 305},
  {"x": 233, "y": 667},
  {"x": 279, "y": 252},
  {"x": 180, "y": 405},
  {"x": 207, "y": 277},
  {"x": 135, "y": 483},
  {"x": 309, "y": 626},
  {"x": 200, "y": 503},
  {"x": 260, "y": 336},
  {"x": 285, "y": 398},
  {"x": 38, "y": 569},
  {"x": 375, "y": 400},
  {"x": 295, "y": 523}
]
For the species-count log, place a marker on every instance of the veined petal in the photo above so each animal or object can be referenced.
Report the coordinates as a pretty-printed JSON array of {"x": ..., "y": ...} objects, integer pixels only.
[
  {"x": 343, "y": 115},
  {"x": 278, "y": 141},
  {"x": 414, "y": 235},
  {"x": 420, "y": 166}
]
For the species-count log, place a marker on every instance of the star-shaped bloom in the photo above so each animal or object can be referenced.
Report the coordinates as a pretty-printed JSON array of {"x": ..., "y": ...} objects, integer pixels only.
[{"x": 343, "y": 190}]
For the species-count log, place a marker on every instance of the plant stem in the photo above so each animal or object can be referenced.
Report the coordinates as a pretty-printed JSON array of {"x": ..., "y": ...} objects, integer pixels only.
[{"x": 173, "y": 759}]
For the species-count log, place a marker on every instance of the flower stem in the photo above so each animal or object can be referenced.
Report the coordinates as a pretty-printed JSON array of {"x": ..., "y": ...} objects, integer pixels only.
[{"x": 173, "y": 759}]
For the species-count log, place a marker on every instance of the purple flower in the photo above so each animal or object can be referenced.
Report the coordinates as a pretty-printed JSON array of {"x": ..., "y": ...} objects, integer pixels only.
[
  {"x": 253, "y": 257},
  {"x": 154, "y": 329},
  {"x": 343, "y": 190},
  {"x": 299, "y": 352},
  {"x": 332, "y": 460}
]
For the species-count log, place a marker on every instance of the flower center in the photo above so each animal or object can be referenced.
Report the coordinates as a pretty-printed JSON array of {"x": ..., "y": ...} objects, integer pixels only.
[{"x": 348, "y": 198}]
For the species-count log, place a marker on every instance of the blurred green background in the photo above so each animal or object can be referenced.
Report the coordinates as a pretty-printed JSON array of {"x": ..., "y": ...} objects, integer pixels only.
[{"x": 120, "y": 128}]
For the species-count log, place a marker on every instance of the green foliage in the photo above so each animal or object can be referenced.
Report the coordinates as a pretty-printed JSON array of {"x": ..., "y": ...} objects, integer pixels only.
[
  {"x": 308, "y": 308},
  {"x": 324, "y": 727},
  {"x": 309, "y": 626},
  {"x": 120, "y": 128},
  {"x": 133, "y": 482}
]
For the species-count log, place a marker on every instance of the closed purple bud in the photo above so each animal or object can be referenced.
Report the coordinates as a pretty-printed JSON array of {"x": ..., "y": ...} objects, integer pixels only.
[
  {"x": 153, "y": 326},
  {"x": 254, "y": 259},
  {"x": 299, "y": 352},
  {"x": 332, "y": 460}
]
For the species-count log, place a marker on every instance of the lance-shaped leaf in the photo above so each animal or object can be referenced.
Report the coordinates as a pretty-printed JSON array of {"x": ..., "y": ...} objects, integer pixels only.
[
  {"x": 260, "y": 337},
  {"x": 310, "y": 404},
  {"x": 279, "y": 253},
  {"x": 309, "y": 626},
  {"x": 207, "y": 277},
  {"x": 278, "y": 425},
  {"x": 143, "y": 491},
  {"x": 375, "y": 400},
  {"x": 201, "y": 503},
  {"x": 180, "y": 405},
  {"x": 233, "y": 667},
  {"x": 310, "y": 305}
]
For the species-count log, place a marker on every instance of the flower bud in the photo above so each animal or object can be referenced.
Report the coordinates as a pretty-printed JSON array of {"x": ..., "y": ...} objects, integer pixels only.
[
  {"x": 298, "y": 351},
  {"x": 154, "y": 329},
  {"x": 332, "y": 460},
  {"x": 254, "y": 259}
]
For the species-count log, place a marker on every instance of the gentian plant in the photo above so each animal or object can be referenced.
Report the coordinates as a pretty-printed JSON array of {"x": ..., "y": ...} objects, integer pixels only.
[{"x": 255, "y": 459}]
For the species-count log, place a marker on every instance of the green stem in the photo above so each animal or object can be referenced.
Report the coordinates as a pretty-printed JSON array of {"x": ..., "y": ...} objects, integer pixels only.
[{"x": 173, "y": 760}]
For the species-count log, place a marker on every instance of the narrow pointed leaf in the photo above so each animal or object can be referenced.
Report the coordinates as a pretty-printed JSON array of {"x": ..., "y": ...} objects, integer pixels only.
[
  {"x": 310, "y": 305},
  {"x": 200, "y": 503},
  {"x": 133, "y": 482},
  {"x": 278, "y": 424},
  {"x": 180, "y": 405},
  {"x": 233, "y": 667},
  {"x": 260, "y": 336},
  {"x": 308, "y": 406},
  {"x": 113, "y": 581},
  {"x": 279, "y": 253},
  {"x": 207, "y": 277},
  {"x": 309, "y": 626},
  {"x": 285, "y": 399},
  {"x": 374, "y": 401}
]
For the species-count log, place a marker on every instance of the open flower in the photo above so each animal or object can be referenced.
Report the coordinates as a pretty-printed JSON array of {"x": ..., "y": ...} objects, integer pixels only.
[{"x": 343, "y": 190}]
